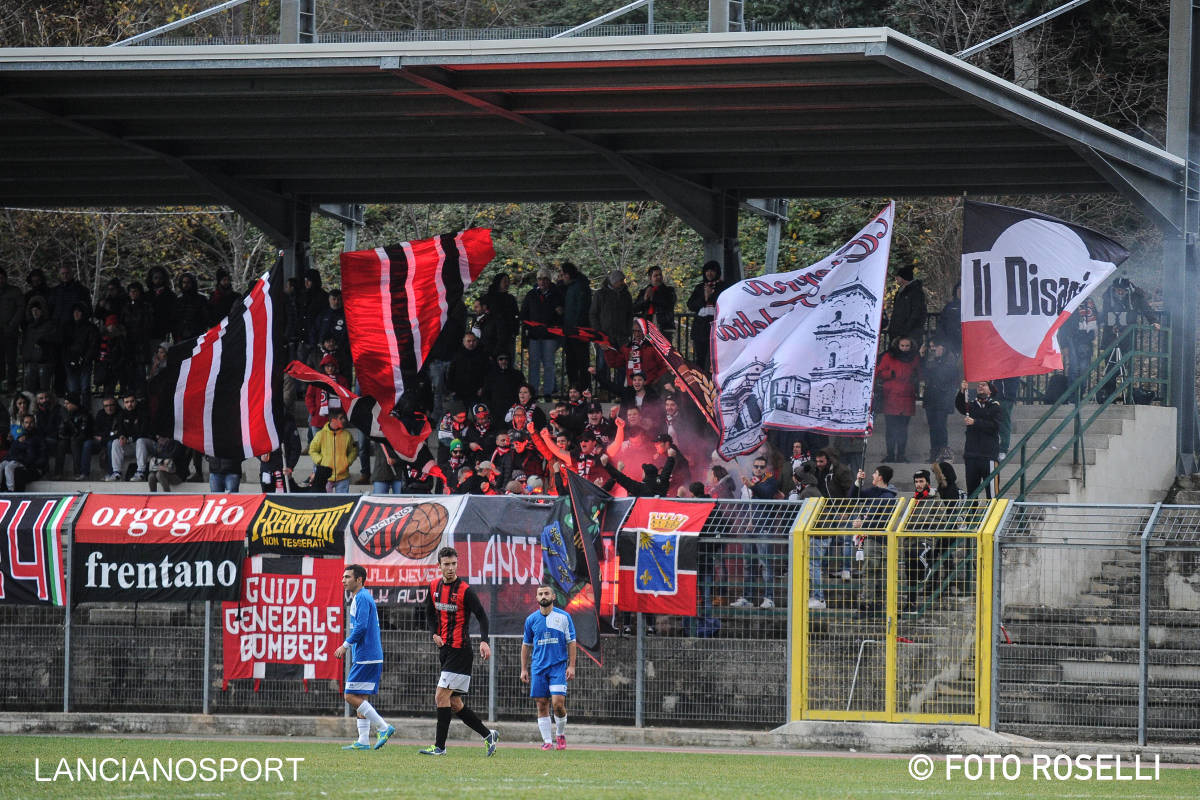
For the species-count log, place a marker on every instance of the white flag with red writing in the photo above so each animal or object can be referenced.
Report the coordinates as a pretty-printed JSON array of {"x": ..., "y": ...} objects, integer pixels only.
[{"x": 796, "y": 350}]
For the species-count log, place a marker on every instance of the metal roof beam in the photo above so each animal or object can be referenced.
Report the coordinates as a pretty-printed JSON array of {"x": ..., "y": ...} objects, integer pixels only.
[
  {"x": 271, "y": 213},
  {"x": 698, "y": 206}
]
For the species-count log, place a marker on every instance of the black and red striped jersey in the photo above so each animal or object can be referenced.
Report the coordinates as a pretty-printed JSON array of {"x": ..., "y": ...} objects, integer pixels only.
[{"x": 449, "y": 607}]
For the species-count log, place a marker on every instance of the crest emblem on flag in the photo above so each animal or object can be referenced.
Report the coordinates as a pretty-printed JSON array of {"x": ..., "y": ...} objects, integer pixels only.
[{"x": 657, "y": 552}]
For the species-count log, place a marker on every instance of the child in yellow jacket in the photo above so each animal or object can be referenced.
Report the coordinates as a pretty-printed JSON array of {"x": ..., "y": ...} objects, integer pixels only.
[{"x": 333, "y": 451}]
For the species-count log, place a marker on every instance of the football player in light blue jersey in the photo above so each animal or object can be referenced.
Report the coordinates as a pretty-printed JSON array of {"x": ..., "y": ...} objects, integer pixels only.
[
  {"x": 365, "y": 648},
  {"x": 547, "y": 663}
]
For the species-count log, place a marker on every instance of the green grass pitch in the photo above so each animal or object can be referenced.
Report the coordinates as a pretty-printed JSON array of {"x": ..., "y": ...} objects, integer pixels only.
[{"x": 397, "y": 771}]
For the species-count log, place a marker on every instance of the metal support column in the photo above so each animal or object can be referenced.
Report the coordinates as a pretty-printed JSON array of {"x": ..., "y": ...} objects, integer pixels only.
[
  {"x": 297, "y": 21},
  {"x": 1144, "y": 627},
  {"x": 725, "y": 250},
  {"x": 297, "y": 255},
  {"x": 1181, "y": 261},
  {"x": 207, "y": 656},
  {"x": 718, "y": 16},
  {"x": 67, "y": 624},
  {"x": 639, "y": 684}
]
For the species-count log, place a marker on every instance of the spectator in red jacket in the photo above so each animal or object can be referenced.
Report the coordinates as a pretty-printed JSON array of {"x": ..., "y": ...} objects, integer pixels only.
[
  {"x": 898, "y": 373},
  {"x": 319, "y": 400}
]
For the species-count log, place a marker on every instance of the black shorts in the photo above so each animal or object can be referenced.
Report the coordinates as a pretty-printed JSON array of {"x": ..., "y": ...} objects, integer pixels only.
[{"x": 455, "y": 659}]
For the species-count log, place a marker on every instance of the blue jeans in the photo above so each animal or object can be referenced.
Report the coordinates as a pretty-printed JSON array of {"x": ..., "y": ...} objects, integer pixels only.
[
  {"x": 817, "y": 546},
  {"x": 762, "y": 554},
  {"x": 384, "y": 487},
  {"x": 224, "y": 482},
  {"x": 541, "y": 364},
  {"x": 342, "y": 486}
]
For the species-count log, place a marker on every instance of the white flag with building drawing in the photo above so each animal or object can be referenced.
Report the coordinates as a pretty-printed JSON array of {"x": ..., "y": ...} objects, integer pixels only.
[{"x": 796, "y": 350}]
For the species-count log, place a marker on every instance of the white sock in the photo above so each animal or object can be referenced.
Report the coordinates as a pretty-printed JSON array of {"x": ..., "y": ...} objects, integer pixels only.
[
  {"x": 560, "y": 724},
  {"x": 371, "y": 714},
  {"x": 364, "y": 731},
  {"x": 544, "y": 727}
]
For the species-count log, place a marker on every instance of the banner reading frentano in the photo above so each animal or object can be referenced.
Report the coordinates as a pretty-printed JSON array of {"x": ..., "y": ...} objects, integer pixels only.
[
  {"x": 657, "y": 548},
  {"x": 300, "y": 524},
  {"x": 31, "y": 559},
  {"x": 398, "y": 540},
  {"x": 1023, "y": 275},
  {"x": 287, "y": 621},
  {"x": 796, "y": 351},
  {"x": 166, "y": 548}
]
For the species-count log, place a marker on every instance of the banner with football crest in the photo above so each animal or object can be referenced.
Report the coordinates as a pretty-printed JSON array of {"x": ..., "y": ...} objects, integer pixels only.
[
  {"x": 397, "y": 540},
  {"x": 657, "y": 551}
]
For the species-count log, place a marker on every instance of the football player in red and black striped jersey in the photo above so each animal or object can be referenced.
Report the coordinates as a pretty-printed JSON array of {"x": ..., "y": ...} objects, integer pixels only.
[{"x": 448, "y": 608}]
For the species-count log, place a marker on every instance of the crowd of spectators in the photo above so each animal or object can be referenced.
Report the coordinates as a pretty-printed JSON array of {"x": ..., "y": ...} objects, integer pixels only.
[{"x": 77, "y": 368}]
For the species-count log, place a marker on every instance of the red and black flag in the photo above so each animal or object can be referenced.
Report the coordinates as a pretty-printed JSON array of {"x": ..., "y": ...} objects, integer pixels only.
[
  {"x": 397, "y": 300},
  {"x": 404, "y": 435},
  {"x": 582, "y": 334},
  {"x": 221, "y": 393},
  {"x": 698, "y": 386}
]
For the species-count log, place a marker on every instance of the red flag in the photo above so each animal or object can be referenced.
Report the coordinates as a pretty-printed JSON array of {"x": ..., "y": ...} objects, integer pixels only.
[
  {"x": 367, "y": 415},
  {"x": 657, "y": 550},
  {"x": 220, "y": 393},
  {"x": 397, "y": 300}
]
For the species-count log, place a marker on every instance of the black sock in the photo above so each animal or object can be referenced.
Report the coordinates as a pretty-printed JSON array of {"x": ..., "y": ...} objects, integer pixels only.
[
  {"x": 443, "y": 726},
  {"x": 473, "y": 722}
]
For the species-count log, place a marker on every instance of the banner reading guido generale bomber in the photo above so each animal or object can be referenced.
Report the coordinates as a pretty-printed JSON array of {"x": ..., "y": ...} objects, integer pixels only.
[
  {"x": 287, "y": 622},
  {"x": 167, "y": 548}
]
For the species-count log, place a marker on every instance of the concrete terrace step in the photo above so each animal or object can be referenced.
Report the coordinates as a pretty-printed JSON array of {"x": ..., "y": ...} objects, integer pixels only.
[
  {"x": 1067, "y": 633},
  {"x": 1096, "y": 616},
  {"x": 1187, "y": 697},
  {"x": 1096, "y": 710},
  {"x": 1032, "y": 413},
  {"x": 1111, "y": 426}
]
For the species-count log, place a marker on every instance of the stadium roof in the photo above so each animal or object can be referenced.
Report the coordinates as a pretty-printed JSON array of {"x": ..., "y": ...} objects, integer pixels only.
[{"x": 691, "y": 120}]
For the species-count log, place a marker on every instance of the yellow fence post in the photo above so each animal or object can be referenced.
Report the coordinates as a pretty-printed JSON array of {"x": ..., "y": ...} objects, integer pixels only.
[
  {"x": 799, "y": 600},
  {"x": 983, "y": 603}
]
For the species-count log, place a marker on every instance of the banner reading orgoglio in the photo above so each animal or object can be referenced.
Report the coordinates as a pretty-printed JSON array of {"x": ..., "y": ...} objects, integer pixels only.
[
  {"x": 287, "y": 622},
  {"x": 31, "y": 559},
  {"x": 300, "y": 524},
  {"x": 397, "y": 541},
  {"x": 169, "y": 548},
  {"x": 796, "y": 351}
]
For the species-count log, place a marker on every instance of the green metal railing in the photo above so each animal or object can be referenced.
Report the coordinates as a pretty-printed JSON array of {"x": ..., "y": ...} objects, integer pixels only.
[{"x": 1120, "y": 367}]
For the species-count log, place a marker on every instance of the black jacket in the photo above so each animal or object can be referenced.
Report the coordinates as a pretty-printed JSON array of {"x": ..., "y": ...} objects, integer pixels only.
[
  {"x": 654, "y": 483},
  {"x": 908, "y": 313},
  {"x": 542, "y": 306},
  {"x": 983, "y": 437}
]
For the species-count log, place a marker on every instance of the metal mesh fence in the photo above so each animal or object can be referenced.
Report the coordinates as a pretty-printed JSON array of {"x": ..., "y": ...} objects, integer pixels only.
[
  {"x": 1076, "y": 652},
  {"x": 887, "y": 559},
  {"x": 31, "y": 658},
  {"x": 1172, "y": 626},
  {"x": 142, "y": 657}
]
